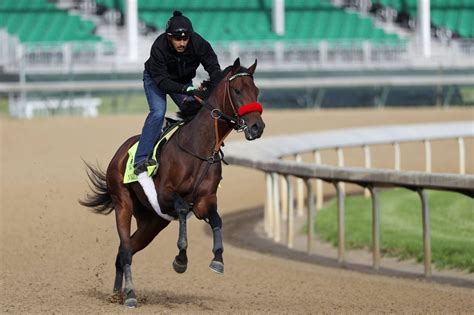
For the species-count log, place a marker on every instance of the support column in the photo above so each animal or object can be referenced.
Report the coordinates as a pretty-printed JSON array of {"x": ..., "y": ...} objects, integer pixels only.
[
  {"x": 278, "y": 17},
  {"x": 131, "y": 13},
  {"x": 424, "y": 28}
]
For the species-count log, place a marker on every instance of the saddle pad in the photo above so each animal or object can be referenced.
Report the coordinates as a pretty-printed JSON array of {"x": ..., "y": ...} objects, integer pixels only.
[{"x": 129, "y": 176}]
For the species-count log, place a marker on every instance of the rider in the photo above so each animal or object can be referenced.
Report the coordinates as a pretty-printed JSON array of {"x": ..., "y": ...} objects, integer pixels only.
[{"x": 175, "y": 55}]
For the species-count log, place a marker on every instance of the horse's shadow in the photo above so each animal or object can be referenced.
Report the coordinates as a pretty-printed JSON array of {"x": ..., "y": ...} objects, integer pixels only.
[{"x": 163, "y": 298}]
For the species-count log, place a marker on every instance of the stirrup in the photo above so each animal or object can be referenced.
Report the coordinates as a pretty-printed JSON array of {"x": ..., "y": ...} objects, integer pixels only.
[{"x": 143, "y": 166}]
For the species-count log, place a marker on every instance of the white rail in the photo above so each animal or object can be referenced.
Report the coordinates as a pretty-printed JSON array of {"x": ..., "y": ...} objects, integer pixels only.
[{"x": 264, "y": 155}]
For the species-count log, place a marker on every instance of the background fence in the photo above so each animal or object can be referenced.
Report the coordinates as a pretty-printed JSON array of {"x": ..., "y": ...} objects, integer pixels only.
[{"x": 266, "y": 156}]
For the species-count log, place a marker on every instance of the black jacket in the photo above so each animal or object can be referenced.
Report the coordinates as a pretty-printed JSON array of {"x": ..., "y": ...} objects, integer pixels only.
[{"x": 172, "y": 70}]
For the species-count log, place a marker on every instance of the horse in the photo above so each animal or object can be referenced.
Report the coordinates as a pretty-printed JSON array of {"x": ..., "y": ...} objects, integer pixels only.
[{"x": 186, "y": 182}]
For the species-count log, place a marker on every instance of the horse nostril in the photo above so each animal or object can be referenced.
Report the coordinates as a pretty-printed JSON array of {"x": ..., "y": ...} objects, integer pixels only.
[{"x": 255, "y": 128}]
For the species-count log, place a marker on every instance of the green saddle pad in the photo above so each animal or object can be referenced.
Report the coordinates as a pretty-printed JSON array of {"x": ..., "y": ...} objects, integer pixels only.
[{"x": 129, "y": 176}]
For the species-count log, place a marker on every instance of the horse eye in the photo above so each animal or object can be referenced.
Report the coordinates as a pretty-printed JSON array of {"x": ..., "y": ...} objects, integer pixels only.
[{"x": 237, "y": 91}]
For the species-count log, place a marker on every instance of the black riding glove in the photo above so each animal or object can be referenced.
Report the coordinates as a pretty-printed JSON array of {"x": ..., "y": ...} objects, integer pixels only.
[{"x": 193, "y": 91}]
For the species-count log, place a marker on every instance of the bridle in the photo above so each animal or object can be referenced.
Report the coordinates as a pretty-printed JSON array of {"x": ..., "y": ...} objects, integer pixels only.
[
  {"x": 235, "y": 120},
  {"x": 217, "y": 114}
]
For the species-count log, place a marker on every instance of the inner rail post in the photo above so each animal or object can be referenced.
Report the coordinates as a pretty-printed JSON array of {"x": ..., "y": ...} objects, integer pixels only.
[
  {"x": 311, "y": 207},
  {"x": 340, "y": 222},
  {"x": 268, "y": 219},
  {"x": 276, "y": 208},
  {"x": 375, "y": 227},
  {"x": 425, "y": 212},
  {"x": 427, "y": 155},
  {"x": 319, "y": 183},
  {"x": 291, "y": 217},
  {"x": 284, "y": 198},
  {"x": 367, "y": 164},
  {"x": 340, "y": 163},
  {"x": 299, "y": 190},
  {"x": 396, "y": 148},
  {"x": 462, "y": 156}
]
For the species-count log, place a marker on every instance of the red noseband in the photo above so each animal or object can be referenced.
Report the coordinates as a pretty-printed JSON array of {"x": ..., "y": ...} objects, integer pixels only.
[{"x": 250, "y": 107}]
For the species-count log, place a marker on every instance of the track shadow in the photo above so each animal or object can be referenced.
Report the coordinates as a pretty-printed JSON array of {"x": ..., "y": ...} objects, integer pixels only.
[
  {"x": 167, "y": 299},
  {"x": 239, "y": 230}
]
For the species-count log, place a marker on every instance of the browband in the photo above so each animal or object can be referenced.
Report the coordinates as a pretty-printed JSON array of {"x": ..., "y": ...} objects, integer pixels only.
[{"x": 242, "y": 74}]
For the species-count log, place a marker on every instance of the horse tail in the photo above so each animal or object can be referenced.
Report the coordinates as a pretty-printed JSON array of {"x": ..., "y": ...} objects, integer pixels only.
[{"x": 100, "y": 200}]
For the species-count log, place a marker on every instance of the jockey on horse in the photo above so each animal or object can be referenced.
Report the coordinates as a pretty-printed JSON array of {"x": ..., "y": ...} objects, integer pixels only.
[{"x": 175, "y": 55}]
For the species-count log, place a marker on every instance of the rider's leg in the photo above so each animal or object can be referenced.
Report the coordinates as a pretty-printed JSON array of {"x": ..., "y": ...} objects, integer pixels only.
[{"x": 154, "y": 121}]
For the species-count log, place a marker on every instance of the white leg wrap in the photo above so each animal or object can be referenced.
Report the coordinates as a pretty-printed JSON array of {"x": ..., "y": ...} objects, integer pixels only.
[{"x": 149, "y": 188}]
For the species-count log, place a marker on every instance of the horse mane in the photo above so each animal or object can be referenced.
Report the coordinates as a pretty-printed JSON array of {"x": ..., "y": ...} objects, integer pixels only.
[{"x": 190, "y": 110}]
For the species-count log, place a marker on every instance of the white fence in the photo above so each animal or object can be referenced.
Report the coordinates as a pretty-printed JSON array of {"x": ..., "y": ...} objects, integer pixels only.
[
  {"x": 82, "y": 106},
  {"x": 265, "y": 155}
]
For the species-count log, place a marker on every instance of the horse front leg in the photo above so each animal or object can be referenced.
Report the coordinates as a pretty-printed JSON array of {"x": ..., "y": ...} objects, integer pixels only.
[
  {"x": 180, "y": 263},
  {"x": 217, "y": 264}
]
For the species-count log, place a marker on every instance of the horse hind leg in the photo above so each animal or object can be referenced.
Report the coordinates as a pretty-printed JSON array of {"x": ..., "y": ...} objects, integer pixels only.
[
  {"x": 217, "y": 263},
  {"x": 118, "y": 283},
  {"x": 123, "y": 270},
  {"x": 123, "y": 214},
  {"x": 180, "y": 263}
]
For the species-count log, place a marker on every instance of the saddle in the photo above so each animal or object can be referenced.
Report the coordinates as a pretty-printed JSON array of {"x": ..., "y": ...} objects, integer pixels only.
[{"x": 171, "y": 126}]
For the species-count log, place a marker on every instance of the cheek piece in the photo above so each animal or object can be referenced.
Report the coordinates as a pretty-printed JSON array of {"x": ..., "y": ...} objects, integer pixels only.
[{"x": 250, "y": 107}]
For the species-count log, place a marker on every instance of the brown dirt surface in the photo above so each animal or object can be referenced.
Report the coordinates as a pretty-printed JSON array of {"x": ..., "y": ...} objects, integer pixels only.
[{"x": 58, "y": 257}]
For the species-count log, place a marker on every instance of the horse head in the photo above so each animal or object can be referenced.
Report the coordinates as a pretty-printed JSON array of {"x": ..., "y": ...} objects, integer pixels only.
[{"x": 239, "y": 95}]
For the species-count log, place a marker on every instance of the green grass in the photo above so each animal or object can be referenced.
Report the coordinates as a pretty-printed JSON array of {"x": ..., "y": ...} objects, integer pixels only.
[
  {"x": 451, "y": 224},
  {"x": 467, "y": 94},
  {"x": 3, "y": 106}
]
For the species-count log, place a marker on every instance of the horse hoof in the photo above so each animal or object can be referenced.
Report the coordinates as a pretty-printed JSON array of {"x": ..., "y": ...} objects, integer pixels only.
[
  {"x": 179, "y": 268},
  {"x": 130, "y": 303},
  {"x": 217, "y": 267}
]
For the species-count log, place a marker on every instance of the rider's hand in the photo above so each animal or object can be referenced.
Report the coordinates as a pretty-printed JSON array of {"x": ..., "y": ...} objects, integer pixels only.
[{"x": 193, "y": 91}]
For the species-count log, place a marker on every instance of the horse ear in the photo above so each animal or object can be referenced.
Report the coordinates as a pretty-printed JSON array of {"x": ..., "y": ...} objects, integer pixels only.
[
  {"x": 253, "y": 67},
  {"x": 236, "y": 65}
]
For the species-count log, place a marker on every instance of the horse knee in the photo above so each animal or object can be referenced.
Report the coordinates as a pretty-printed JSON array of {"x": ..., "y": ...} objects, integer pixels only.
[
  {"x": 205, "y": 206},
  {"x": 215, "y": 220}
]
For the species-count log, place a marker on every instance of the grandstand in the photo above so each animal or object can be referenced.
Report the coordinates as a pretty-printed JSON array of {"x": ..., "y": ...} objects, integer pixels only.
[
  {"x": 341, "y": 40},
  {"x": 316, "y": 31},
  {"x": 457, "y": 16},
  {"x": 247, "y": 20}
]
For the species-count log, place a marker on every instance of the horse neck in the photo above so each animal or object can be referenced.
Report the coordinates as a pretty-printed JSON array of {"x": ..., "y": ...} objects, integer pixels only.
[{"x": 203, "y": 126}]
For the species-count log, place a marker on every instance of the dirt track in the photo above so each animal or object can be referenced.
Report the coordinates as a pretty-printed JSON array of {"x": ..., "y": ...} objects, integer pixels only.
[{"x": 57, "y": 257}]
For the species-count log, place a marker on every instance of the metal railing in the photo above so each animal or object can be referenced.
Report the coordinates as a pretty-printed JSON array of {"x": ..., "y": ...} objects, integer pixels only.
[{"x": 265, "y": 155}]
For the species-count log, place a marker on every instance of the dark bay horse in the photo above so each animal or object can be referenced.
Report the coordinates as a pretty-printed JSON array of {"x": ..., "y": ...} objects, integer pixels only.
[{"x": 187, "y": 178}]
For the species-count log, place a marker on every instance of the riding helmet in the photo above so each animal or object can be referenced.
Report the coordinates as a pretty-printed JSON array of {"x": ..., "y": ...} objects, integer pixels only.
[{"x": 179, "y": 25}]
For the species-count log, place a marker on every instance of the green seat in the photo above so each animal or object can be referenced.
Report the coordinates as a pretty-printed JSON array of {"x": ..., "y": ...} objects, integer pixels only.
[{"x": 34, "y": 21}]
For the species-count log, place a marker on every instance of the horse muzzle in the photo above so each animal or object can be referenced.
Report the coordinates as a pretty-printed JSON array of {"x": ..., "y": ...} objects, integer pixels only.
[{"x": 254, "y": 131}]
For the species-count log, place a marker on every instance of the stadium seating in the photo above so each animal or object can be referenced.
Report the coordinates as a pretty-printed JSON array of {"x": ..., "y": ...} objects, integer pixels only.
[
  {"x": 247, "y": 20},
  {"x": 455, "y": 15},
  {"x": 41, "y": 21}
]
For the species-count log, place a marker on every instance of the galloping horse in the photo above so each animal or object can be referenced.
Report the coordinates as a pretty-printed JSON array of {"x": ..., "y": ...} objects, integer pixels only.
[{"x": 187, "y": 178}]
